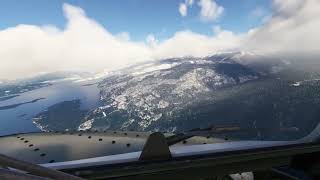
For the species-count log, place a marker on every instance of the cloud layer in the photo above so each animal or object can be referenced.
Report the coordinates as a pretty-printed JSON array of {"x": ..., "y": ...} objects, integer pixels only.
[
  {"x": 83, "y": 45},
  {"x": 27, "y": 50},
  {"x": 294, "y": 27}
]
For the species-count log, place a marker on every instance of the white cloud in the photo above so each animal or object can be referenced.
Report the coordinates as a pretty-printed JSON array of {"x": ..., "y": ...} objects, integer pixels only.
[
  {"x": 294, "y": 27},
  {"x": 189, "y": 2},
  {"x": 216, "y": 29},
  {"x": 210, "y": 10},
  {"x": 183, "y": 9},
  {"x": 188, "y": 43},
  {"x": 287, "y": 7},
  {"x": 151, "y": 40},
  {"x": 26, "y": 50},
  {"x": 123, "y": 36},
  {"x": 258, "y": 12}
]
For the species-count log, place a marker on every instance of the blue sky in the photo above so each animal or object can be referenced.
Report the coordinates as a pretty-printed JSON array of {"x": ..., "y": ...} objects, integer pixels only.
[{"x": 138, "y": 17}]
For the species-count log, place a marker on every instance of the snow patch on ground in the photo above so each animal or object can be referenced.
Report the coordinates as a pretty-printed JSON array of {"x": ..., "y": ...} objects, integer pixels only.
[
  {"x": 243, "y": 79},
  {"x": 127, "y": 123},
  {"x": 192, "y": 81},
  {"x": 154, "y": 68},
  {"x": 41, "y": 127},
  {"x": 86, "y": 125},
  {"x": 163, "y": 104},
  {"x": 146, "y": 122},
  {"x": 296, "y": 84},
  {"x": 121, "y": 102},
  {"x": 299, "y": 83}
]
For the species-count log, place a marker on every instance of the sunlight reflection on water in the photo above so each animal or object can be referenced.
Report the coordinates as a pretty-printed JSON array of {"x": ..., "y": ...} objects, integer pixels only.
[{"x": 19, "y": 119}]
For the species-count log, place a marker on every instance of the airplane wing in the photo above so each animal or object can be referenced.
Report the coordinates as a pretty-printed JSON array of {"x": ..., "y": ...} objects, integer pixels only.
[{"x": 143, "y": 155}]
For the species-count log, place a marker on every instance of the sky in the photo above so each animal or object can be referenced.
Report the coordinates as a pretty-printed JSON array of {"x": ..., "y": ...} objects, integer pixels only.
[
  {"x": 39, "y": 36},
  {"x": 138, "y": 17}
]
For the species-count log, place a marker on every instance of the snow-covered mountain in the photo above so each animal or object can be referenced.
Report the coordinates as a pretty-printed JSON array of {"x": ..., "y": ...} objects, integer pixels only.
[
  {"x": 141, "y": 96},
  {"x": 245, "y": 89}
]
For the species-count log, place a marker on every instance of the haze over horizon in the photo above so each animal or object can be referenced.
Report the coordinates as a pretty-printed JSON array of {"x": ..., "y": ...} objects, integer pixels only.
[{"x": 194, "y": 28}]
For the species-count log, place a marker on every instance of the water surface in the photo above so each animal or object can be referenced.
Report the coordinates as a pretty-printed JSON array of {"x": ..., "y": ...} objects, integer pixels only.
[{"x": 16, "y": 113}]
